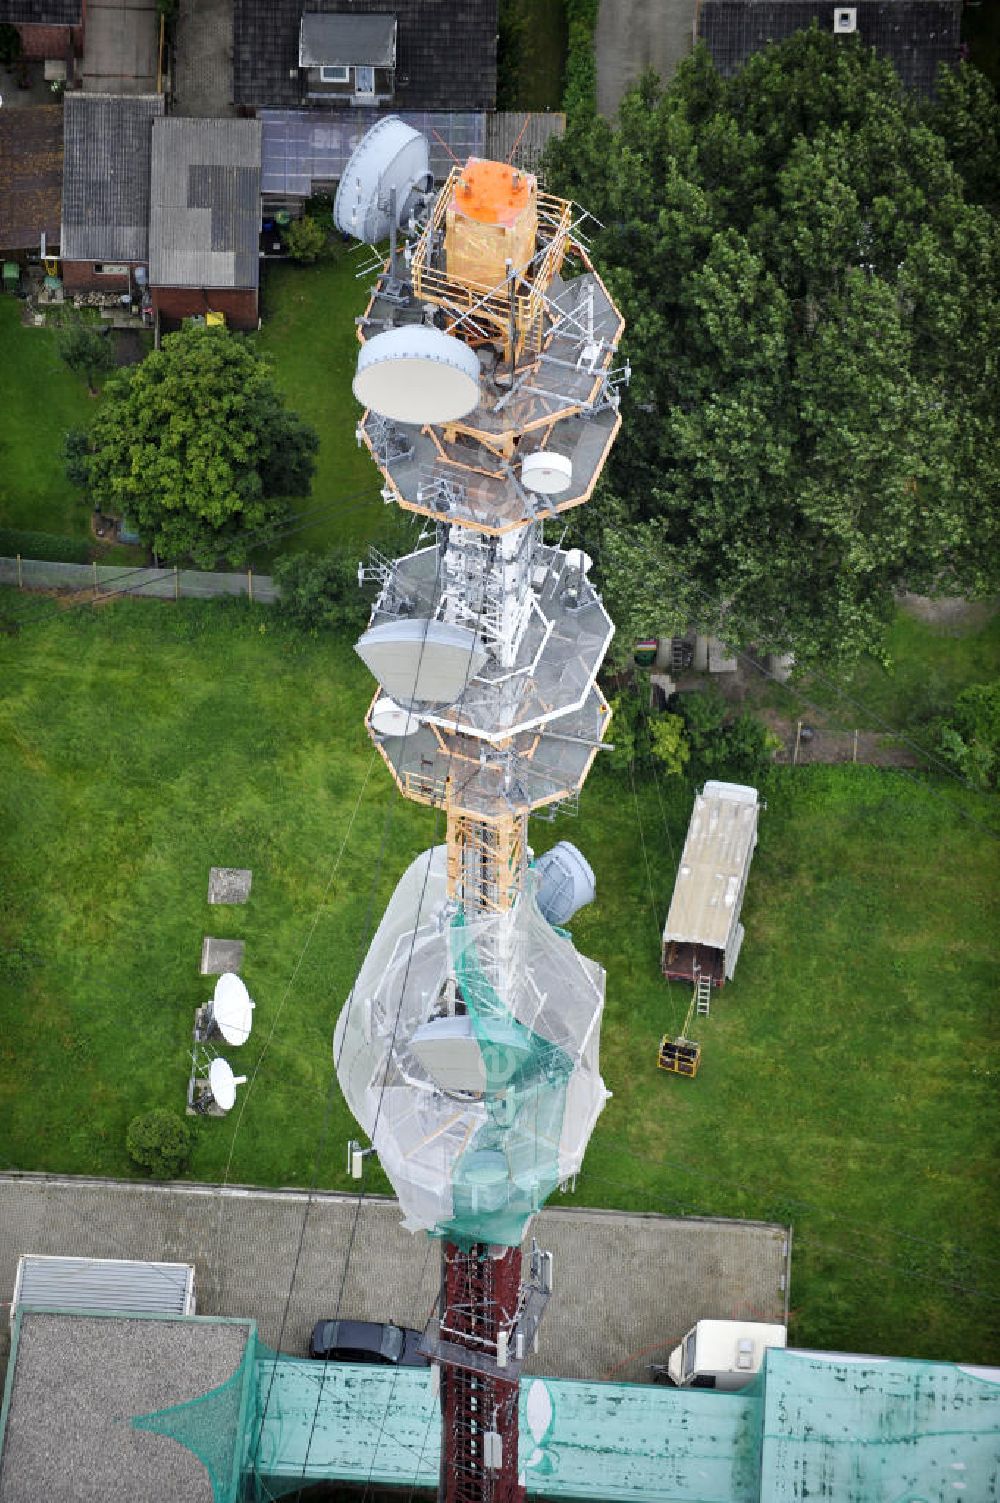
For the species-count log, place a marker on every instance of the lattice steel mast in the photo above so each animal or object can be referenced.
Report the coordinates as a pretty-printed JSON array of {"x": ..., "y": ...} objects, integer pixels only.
[{"x": 469, "y": 1046}]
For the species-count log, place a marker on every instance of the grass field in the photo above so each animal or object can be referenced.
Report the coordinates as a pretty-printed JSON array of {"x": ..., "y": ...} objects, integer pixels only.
[
  {"x": 847, "y": 1075},
  {"x": 308, "y": 332},
  {"x": 39, "y": 400}
]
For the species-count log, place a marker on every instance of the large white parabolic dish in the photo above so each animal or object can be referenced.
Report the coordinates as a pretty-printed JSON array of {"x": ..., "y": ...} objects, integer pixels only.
[
  {"x": 546, "y": 473},
  {"x": 223, "y": 1084},
  {"x": 392, "y": 155},
  {"x": 232, "y": 1009},
  {"x": 387, "y": 718},
  {"x": 417, "y": 374}
]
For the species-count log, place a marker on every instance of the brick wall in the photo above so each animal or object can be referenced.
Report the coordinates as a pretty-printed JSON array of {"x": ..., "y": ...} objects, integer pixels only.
[
  {"x": 50, "y": 41},
  {"x": 175, "y": 303},
  {"x": 80, "y": 276}
]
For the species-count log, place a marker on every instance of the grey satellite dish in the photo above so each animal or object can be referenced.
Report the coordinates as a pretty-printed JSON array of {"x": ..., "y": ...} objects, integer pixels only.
[
  {"x": 546, "y": 473},
  {"x": 564, "y": 883},
  {"x": 449, "y": 1052},
  {"x": 387, "y": 718},
  {"x": 418, "y": 661},
  {"x": 232, "y": 1009},
  {"x": 416, "y": 374},
  {"x": 390, "y": 160},
  {"x": 222, "y": 1083}
]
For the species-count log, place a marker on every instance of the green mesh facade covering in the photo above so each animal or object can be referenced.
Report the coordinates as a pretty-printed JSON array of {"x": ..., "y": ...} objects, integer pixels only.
[{"x": 810, "y": 1427}]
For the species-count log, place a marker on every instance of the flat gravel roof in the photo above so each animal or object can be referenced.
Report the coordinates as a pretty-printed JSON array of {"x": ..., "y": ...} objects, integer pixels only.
[{"x": 78, "y": 1381}]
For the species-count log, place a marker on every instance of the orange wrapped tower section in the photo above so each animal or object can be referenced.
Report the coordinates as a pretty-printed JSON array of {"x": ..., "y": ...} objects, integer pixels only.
[{"x": 492, "y": 219}]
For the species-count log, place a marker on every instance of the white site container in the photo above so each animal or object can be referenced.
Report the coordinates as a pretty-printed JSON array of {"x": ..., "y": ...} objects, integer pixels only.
[{"x": 723, "y": 1354}]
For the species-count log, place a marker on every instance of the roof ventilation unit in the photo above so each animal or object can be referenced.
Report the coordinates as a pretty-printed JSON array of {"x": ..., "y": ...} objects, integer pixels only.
[{"x": 845, "y": 19}]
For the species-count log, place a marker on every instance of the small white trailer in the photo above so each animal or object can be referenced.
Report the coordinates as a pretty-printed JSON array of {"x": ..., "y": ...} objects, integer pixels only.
[
  {"x": 722, "y": 1354},
  {"x": 125, "y": 1286}
]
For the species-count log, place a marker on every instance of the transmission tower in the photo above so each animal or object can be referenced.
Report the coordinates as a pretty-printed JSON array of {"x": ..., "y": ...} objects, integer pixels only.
[{"x": 468, "y": 1048}]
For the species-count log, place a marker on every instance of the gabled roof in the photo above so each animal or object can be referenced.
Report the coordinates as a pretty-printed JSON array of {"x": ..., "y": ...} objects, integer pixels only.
[
  {"x": 204, "y": 203},
  {"x": 345, "y": 40},
  {"x": 31, "y": 161},
  {"x": 105, "y": 209},
  {"x": 914, "y": 35},
  {"x": 445, "y": 53},
  {"x": 42, "y": 12}
]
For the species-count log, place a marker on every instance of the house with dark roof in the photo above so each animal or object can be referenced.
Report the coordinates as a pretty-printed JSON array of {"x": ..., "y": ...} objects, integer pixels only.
[
  {"x": 916, "y": 36},
  {"x": 48, "y": 28},
  {"x": 204, "y": 219},
  {"x": 107, "y": 148},
  {"x": 409, "y": 54},
  {"x": 31, "y": 167}
]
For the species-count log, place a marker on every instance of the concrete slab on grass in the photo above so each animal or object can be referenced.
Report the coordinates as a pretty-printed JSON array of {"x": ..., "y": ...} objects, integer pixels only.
[
  {"x": 229, "y": 884},
  {"x": 627, "y": 1287},
  {"x": 218, "y": 955}
]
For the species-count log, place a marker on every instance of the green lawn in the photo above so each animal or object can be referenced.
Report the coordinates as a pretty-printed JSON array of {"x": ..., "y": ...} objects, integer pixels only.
[
  {"x": 39, "y": 400},
  {"x": 309, "y": 332},
  {"x": 847, "y": 1075}
]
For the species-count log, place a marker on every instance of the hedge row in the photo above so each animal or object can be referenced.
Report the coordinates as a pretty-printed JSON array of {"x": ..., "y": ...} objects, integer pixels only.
[
  {"x": 580, "y": 93},
  {"x": 47, "y": 546}
]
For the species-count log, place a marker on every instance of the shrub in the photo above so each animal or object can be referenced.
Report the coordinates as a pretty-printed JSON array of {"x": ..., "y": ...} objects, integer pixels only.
[
  {"x": 969, "y": 738},
  {"x": 159, "y": 1141},
  {"x": 320, "y": 592},
  {"x": 76, "y": 457},
  {"x": 305, "y": 239},
  {"x": 49, "y": 547}
]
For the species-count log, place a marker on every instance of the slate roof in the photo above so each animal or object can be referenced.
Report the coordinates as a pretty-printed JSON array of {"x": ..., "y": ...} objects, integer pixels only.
[
  {"x": 445, "y": 51},
  {"x": 107, "y": 143},
  {"x": 326, "y": 40},
  {"x": 915, "y": 35},
  {"x": 205, "y": 203},
  {"x": 42, "y": 12},
  {"x": 31, "y": 163}
]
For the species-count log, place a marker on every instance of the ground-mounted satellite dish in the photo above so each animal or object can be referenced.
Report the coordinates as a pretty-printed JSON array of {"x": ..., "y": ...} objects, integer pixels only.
[
  {"x": 546, "y": 472},
  {"x": 416, "y": 374},
  {"x": 390, "y": 162},
  {"x": 387, "y": 718},
  {"x": 222, "y": 1084},
  {"x": 419, "y": 661},
  {"x": 232, "y": 1009}
]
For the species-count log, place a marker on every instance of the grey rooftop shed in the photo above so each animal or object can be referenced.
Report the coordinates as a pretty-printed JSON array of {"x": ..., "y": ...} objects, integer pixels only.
[{"x": 205, "y": 203}]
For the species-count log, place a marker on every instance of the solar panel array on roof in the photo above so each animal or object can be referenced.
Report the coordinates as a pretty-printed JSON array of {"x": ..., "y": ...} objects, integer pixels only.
[
  {"x": 302, "y": 147},
  {"x": 915, "y": 35}
]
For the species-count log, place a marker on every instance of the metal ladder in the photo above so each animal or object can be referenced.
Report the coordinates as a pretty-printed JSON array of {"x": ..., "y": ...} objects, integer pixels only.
[{"x": 703, "y": 996}]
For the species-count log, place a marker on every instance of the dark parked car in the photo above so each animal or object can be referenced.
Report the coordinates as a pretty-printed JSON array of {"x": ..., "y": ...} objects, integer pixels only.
[{"x": 366, "y": 1341}]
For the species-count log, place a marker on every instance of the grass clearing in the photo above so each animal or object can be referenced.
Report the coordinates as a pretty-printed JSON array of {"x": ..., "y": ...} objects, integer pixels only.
[
  {"x": 847, "y": 1075},
  {"x": 40, "y": 399}
]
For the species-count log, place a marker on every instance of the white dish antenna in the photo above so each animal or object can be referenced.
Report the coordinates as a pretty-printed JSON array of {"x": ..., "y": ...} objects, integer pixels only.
[
  {"x": 577, "y": 559},
  {"x": 222, "y": 1083},
  {"x": 420, "y": 661},
  {"x": 546, "y": 472},
  {"x": 416, "y": 374},
  {"x": 232, "y": 1009},
  {"x": 390, "y": 719},
  {"x": 392, "y": 159}
]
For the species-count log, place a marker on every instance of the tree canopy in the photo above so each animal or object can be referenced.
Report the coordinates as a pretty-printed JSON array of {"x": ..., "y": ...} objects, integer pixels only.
[
  {"x": 809, "y": 283},
  {"x": 196, "y": 446}
]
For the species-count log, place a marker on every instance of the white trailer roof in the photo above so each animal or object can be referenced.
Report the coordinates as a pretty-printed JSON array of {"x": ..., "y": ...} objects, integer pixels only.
[
  {"x": 116, "y": 1284},
  {"x": 717, "y": 851}
]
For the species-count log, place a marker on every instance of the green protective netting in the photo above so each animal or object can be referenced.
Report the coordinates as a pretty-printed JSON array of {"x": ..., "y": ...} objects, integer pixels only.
[
  {"x": 511, "y": 1166},
  {"x": 216, "y": 1425}
]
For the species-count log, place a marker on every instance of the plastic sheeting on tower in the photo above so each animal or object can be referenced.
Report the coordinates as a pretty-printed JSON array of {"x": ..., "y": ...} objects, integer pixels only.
[{"x": 468, "y": 1050}]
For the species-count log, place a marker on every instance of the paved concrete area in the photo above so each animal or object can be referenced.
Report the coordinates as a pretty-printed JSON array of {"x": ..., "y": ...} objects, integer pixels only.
[
  {"x": 633, "y": 35},
  {"x": 122, "y": 41},
  {"x": 203, "y": 58},
  {"x": 229, "y": 884},
  {"x": 626, "y": 1287},
  {"x": 218, "y": 955}
]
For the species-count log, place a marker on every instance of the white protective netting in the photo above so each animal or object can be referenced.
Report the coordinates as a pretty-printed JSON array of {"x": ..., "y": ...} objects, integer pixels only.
[{"x": 469, "y": 1054}]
